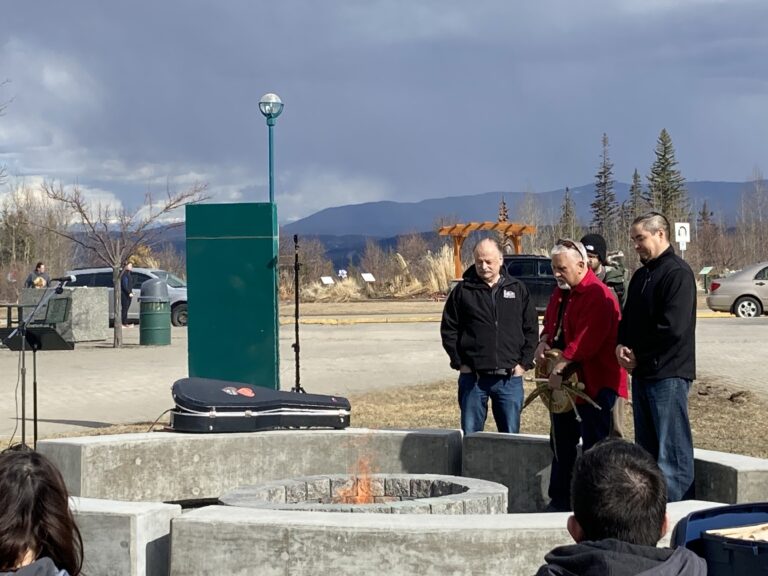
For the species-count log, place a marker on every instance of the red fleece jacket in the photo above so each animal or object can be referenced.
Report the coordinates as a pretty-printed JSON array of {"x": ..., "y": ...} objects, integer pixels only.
[{"x": 590, "y": 324}]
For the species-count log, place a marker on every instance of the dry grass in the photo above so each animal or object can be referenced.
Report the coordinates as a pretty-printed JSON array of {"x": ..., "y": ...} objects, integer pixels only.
[{"x": 716, "y": 414}]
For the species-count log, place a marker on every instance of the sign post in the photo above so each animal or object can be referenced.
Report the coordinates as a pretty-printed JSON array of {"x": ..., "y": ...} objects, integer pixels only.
[{"x": 682, "y": 236}]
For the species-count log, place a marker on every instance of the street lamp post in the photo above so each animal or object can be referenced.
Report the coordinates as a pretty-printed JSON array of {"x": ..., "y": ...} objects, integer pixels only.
[{"x": 271, "y": 106}]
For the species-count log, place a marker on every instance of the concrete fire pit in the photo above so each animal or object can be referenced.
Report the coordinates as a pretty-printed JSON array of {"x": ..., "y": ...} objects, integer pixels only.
[{"x": 375, "y": 493}]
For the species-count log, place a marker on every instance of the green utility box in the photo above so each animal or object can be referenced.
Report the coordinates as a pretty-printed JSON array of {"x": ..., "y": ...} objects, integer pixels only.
[{"x": 232, "y": 293}]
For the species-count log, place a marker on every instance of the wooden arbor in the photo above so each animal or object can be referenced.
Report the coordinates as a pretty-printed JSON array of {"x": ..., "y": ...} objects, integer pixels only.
[{"x": 460, "y": 232}]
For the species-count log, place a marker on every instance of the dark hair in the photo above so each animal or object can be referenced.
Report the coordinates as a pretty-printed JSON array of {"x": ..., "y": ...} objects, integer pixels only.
[
  {"x": 653, "y": 222},
  {"x": 34, "y": 513},
  {"x": 37, "y": 266},
  {"x": 618, "y": 491}
]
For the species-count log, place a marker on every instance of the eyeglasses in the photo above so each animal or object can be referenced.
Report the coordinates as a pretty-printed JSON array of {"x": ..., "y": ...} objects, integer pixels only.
[{"x": 573, "y": 245}]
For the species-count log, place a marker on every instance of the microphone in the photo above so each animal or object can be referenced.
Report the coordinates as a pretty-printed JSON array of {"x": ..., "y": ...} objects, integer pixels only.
[{"x": 69, "y": 278}]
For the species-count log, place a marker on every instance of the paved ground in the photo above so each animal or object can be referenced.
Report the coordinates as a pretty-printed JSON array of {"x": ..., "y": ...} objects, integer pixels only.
[{"x": 96, "y": 385}]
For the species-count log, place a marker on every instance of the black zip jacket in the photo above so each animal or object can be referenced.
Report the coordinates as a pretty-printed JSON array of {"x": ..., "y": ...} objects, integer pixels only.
[
  {"x": 659, "y": 319},
  {"x": 489, "y": 328},
  {"x": 616, "y": 558}
]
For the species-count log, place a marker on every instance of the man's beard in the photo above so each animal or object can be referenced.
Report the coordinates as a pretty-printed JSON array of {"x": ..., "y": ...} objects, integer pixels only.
[{"x": 563, "y": 285}]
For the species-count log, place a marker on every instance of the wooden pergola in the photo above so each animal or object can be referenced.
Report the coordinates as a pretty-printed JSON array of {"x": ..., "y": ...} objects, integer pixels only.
[{"x": 460, "y": 232}]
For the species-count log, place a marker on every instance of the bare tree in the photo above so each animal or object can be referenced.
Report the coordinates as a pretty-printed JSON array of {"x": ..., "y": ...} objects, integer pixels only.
[
  {"x": 3, "y": 106},
  {"x": 112, "y": 235}
]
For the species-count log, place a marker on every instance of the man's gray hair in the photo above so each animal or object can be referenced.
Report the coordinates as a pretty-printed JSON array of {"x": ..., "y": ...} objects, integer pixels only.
[{"x": 566, "y": 244}]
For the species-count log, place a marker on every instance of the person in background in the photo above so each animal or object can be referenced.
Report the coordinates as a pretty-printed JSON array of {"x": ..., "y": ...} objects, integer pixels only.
[
  {"x": 657, "y": 343},
  {"x": 38, "y": 535},
  {"x": 619, "y": 501},
  {"x": 126, "y": 293},
  {"x": 612, "y": 276},
  {"x": 38, "y": 278},
  {"x": 489, "y": 329}
]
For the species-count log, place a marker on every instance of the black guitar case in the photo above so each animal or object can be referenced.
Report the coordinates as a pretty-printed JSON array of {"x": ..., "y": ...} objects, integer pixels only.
[{"x": 205, "y": 405}]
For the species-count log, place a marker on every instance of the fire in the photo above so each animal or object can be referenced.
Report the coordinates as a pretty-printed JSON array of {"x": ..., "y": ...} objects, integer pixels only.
[{"x": 361, "y": 491}]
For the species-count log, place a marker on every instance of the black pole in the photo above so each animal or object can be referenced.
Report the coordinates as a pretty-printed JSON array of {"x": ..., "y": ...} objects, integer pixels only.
[{"x": 296, "y": 349}]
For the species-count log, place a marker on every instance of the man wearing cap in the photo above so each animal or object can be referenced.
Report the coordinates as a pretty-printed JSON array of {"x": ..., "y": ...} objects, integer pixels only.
[
  {"x": 581, "y": 320},
  {"x": 489, "y": 330},
  {"x": 613, "y": 277}
]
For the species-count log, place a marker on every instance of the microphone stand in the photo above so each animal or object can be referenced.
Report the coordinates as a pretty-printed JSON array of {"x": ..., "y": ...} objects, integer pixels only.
[
  {"x": 21, "y": 329},
  {"x": 296, "y": 267}
]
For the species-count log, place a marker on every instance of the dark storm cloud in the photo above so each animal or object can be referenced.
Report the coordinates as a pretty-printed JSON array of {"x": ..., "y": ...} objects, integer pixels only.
[{"x": 384, "y": 99}]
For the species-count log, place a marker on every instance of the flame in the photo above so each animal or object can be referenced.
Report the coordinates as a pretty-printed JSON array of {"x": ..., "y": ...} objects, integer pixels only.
[{"x": 361, "y": 491}]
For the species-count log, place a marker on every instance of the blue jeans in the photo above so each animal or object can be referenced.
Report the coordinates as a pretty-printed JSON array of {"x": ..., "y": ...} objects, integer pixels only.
[
  {"x": 564, "y": 440},
  {"x": 506, "y": 394},
  {"x": 662, "y": 427}
]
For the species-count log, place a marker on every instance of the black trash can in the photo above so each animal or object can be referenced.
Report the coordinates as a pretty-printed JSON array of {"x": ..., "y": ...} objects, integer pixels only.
[{"x": 154, "y": 313}]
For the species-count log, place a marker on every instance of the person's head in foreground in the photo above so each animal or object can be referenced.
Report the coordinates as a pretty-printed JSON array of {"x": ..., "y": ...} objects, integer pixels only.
[
  {"x": 618, "y": 491},
  {"x": 37, "y": 529},
  {"x": 619, "y": 501}
]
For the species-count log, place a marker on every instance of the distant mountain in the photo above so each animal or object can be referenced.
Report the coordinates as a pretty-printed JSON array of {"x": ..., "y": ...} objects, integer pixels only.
[{"x": 385, "y": 219}]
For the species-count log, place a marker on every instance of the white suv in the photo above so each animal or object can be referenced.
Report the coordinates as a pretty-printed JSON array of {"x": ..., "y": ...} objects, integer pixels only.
[{"x": 102, "y": 278}]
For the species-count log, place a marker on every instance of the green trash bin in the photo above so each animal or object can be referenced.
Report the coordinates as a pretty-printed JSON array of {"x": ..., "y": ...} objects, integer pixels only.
[{"x": 154, "y": 313}]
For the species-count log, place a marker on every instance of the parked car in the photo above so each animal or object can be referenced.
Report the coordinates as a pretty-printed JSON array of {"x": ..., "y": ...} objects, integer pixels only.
[
  {"x": 102, "y": 278},
  {"x": 536, "y": 273},
  {"x": 744, "y": 293}
]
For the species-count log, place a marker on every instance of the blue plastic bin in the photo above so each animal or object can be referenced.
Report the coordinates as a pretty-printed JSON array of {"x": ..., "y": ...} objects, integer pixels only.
[{"x": 725, "y": 556}]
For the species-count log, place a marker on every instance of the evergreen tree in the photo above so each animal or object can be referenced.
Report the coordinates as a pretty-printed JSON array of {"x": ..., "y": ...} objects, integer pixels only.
[
  {"x": 666, "y": 186},
  {"x": 638, "y": 202},
  {"x": 568, "y": 226},
  {"x": 605, "y": 209}
]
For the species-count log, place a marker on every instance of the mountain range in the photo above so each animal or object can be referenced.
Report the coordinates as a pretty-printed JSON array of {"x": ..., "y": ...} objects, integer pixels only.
[{"x": 388, "y": 218}]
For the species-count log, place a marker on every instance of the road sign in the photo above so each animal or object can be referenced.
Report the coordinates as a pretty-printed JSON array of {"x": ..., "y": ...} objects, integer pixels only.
[
  {"x": 706, "y": 270},
  {"x": 682, "y": 232}
]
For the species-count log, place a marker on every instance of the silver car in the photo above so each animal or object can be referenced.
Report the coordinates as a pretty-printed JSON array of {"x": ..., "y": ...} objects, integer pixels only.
[
  {"x": 102, "y": 278},
  {"x": 744, "y": 293}
]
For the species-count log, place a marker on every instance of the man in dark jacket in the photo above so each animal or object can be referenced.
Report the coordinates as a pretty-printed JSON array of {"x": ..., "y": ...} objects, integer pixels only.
[
  {"x": 656, "y": 342},
  {"x": 489, "y": 330},
  {"x": 619, "y": 499}
]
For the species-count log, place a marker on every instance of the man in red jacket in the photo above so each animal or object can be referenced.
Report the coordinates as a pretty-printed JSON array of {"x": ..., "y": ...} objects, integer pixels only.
[{"x": 582, "y": 321}]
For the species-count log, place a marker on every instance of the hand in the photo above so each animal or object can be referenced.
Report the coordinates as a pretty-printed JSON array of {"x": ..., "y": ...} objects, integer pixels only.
[
  {"x": 538, "y": 354},
  {"x": 625, "y": 357},
  {"x": 518, "y": 371},
  {"x": 555, "y": 380},
  {"x": 464, "y": 369},
  {"x": 130, "y": 294},
  {"x": 556, "y": 376}
]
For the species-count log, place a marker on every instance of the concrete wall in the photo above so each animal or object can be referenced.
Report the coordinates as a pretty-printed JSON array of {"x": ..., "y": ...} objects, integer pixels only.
[
  {"x": 520, "y": 462},
  {"x": 166, "y": 466},
  {"x": 88, "y": 314},
  {"x": 239, "y": 542},
  {"x": 125, "y": 538},
  {"x": 730, "y": 478}
]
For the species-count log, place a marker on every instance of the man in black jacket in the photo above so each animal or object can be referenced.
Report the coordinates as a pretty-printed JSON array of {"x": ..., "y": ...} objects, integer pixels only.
[
  {"x": 656, "y": 342},
  {"x": 489, "y": 330},
  {"x": 619, "y": 500}
]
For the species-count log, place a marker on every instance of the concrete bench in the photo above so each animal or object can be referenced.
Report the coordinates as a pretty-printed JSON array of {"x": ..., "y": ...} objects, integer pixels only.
[
  {"x": 169, "y": 467},
  {"x": 125, "y": 538},
  {"x": 521, "y": 462},
  {"x": 224, "y": 540}
]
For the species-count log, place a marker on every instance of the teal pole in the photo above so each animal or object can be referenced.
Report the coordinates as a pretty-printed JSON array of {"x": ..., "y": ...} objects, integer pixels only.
[{"x": 270, "y": 125}]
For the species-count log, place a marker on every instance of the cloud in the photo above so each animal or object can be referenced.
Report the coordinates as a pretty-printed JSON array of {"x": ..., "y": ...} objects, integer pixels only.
[{"x": 317, "y": 188}]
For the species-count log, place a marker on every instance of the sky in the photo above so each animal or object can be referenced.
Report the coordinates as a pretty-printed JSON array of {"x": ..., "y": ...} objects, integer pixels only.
[{"x": 384, "y": 99}]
